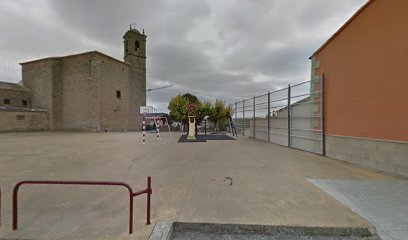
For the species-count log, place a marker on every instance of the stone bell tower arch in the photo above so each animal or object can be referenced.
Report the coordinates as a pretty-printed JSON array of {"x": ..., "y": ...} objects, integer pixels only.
[{"x": 135, "y": 56}]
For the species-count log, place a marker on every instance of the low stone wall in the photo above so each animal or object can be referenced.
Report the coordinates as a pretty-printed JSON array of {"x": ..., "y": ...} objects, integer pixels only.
[
  {"x": 12, "y": 120},
  {"x": 388, "y": 156}
]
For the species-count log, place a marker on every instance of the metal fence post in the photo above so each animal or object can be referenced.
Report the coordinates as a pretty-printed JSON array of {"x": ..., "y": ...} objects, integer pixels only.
[
  {"x": 236, "y": 113},
  {"x": 295, "y": 91},
  {"x": 323, "y": 133},
  {"x": 254, "y": 119},
  {"x": 269, "y": 116},
  {"x": 289, "y": 113},
  {"x": 243, "y": 118}
]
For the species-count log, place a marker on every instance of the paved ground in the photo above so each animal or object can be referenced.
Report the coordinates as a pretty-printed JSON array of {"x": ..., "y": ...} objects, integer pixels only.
[
  {"x": 243, "y": 181},
  {"x": 207, "y": 236},
  {"x": 383, "y": 203}
]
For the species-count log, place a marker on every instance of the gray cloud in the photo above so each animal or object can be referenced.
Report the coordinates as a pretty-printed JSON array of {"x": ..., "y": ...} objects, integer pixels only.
[{"x": 215, "y": 49}]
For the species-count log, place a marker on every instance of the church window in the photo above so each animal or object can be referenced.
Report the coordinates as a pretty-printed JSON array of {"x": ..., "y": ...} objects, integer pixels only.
[
  {"x": 118, "y": 94},
  {"x": 24, "y": 102},
  {"x": 6, "y": 101},
  {"x": 137, "y": 45}
]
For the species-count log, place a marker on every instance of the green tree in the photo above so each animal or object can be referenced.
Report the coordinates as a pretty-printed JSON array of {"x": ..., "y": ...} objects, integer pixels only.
[
  {"x": 178, "y": 106},
  {"x": 205, "y": 109},
  {"x": 191, "y": 98},
  {"x": 220, "y": 114}
]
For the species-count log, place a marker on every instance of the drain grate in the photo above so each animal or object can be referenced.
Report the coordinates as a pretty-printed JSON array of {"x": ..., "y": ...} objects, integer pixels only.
[{"x": 204, "y": 231}]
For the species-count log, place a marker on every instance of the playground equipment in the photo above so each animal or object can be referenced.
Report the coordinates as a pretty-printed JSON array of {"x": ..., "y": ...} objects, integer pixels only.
[
  {"x": 145, "y": 110},
  {"x": 232, "y": 126},
  {"x": 156, "y": 121},
  {"x": 132, "y": 194},
  {"x": 144, "y": 129}
]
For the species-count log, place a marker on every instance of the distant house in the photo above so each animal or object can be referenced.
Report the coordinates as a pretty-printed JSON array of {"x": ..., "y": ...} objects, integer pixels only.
[
  {"x": 365, "y": 64},
  {"x": 16, "y": 111},
  {"x": 13, "y": 95}
]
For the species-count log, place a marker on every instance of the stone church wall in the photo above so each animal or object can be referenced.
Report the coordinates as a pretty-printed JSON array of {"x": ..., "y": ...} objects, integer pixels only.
[
  {"x": 81, "y": 94},
  {"x": 23, "y": 120},
  {"x": 37, "y": 76},
  {"x": 135, "y": 56},
  {"x": 90, "y": 91},
  {"x": 137, "y": 91},
  {"x": 114, "y": 84}
]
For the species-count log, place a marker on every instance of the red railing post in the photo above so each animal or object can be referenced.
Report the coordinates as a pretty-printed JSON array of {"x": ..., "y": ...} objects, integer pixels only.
[
  {"x": 131, "y": 195},
  {"x": 15, "y": 207},
  {"x": 149, "y": 192},
  {"x": 131, "y": 213}
]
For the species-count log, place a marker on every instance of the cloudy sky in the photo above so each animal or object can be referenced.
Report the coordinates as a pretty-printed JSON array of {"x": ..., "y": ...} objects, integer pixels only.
[{"x": 226, "y": 49}]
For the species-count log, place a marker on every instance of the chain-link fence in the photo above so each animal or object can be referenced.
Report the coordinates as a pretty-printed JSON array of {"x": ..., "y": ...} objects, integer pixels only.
[{"x": 292, "y": 116}]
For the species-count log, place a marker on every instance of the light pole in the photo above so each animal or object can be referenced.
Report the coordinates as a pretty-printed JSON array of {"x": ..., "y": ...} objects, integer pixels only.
[
  {"x": 155, "y": 89},
  {"x": 205, "y": 124}
]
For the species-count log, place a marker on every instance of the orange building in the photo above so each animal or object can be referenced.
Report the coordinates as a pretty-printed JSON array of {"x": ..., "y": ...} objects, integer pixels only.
[{"x": 365, "y": 64}]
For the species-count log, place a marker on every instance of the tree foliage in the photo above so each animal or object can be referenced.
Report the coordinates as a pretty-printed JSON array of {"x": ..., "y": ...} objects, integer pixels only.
[
  {"x": 218, "y": 112},
  {"x": 191, "y": 98},
  {"x": 177, "y": 107}
]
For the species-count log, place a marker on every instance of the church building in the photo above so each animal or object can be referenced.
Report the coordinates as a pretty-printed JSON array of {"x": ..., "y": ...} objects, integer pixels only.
[{"x": 88, "y": 91}]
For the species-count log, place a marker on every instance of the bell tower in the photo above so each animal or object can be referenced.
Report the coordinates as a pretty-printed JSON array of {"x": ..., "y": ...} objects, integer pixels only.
[{"x": 135, "y": 56}]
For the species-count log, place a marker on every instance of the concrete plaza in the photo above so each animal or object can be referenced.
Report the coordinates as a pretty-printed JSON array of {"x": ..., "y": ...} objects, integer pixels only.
[{"x": 243, "y": 181}]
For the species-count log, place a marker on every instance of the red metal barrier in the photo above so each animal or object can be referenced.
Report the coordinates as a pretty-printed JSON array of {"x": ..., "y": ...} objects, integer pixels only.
[{"x": 132, "y": 194}]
